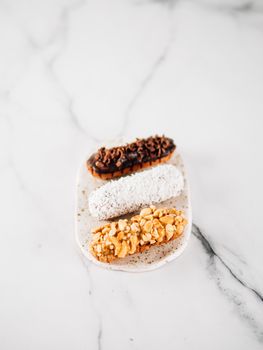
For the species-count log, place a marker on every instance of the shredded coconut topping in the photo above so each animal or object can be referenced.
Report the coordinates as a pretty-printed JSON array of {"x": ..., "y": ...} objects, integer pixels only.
[{"x": 132, "y": 192}]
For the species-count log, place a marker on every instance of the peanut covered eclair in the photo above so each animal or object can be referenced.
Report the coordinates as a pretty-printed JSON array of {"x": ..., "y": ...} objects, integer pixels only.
[
  {"x": 125, "y": 237},
  {"x": 130, "y": 193},
  {"x": 108, "y": 163}
]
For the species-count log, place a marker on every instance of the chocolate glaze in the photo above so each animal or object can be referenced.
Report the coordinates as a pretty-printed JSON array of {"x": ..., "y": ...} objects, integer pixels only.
[{"x": 141, "y": 151}]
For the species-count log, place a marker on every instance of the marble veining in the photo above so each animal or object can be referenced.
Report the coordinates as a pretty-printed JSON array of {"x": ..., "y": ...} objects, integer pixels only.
[
  {"x": 243, "y": 309},
  {"x": 145, "y": 82},
  {"x": 75, "y": 74}
]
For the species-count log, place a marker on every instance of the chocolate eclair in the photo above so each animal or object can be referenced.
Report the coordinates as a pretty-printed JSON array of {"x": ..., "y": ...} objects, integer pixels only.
[{"x": 108, "y": 163}]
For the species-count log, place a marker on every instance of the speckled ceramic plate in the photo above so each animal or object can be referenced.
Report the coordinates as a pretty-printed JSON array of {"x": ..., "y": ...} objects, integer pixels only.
[{"x": 150, "y": 259}]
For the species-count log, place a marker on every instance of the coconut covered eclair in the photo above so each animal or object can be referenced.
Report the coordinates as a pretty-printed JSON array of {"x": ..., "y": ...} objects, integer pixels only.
[
  {"x": 126, "y": 237},
  {"x": 133, "y": 192},
  {"x": 108, "y": 163}
]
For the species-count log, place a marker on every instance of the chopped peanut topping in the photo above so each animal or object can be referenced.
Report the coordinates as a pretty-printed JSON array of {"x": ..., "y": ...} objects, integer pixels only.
[{"x": 125, "y": 237}]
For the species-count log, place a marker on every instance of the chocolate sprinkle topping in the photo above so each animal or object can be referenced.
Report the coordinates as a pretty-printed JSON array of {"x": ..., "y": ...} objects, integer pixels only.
[{"x": 108, "y": 160}]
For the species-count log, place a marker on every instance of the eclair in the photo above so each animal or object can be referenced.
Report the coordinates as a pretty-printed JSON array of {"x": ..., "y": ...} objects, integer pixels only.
[
  {"x": 126, "y": 237},
  {"x": 135, "y": 191},
  {"x": 108, "y": 163}
]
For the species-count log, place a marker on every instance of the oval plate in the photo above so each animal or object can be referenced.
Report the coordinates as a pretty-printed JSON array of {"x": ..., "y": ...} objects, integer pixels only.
[{"x": 150, "y": 259}]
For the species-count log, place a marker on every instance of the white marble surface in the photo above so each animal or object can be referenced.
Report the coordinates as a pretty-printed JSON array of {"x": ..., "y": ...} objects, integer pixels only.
[{"x": 74, "y": 73}]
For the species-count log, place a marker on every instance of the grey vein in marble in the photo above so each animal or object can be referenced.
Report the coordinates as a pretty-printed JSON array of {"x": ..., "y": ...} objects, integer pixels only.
[
  {"x": 237, "y": 256},
  {"x": 144, "y": 84},
  {"x": 99, "y": 338},
  {"x": 231, "y": 8},
  {"x": 62, "y": 37},
  {"x": 211, "y": 252},
  {"x": 91, "y": 296},
  {"x": 255, "y": 325}
]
